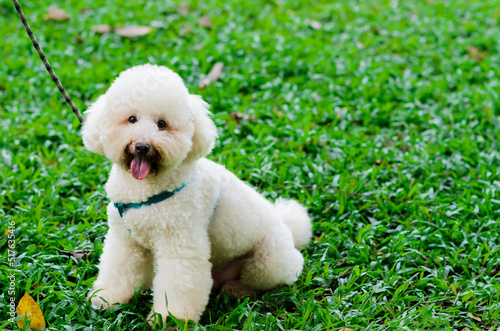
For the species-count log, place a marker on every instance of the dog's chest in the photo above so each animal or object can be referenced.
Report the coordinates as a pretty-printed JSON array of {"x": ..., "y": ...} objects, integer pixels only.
[{"x": 146, "y": 224}]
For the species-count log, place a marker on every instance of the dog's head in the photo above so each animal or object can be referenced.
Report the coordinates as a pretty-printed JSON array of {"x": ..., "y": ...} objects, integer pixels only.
[{"x": 148, "y": 122}]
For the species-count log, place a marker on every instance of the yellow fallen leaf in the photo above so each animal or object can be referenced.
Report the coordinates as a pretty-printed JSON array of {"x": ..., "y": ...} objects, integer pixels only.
[
  {"x": 6, "y": 233},
  {"x": 28, "y": 307}
]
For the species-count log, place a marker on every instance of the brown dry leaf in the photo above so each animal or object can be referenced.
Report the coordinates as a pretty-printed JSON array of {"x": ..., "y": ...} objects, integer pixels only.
[
  {"x": 183, "y": 8},
  {"x": 237, "y": 116},
  {"x": 133, "y": 31},
  {"x": 205, "y": 22},
  {"x": 56, "y": 14},
  {"x": 28, "y": 307},
  {"x": 185, "y": 30},
  {"x": 346, "y": 329},
  {"x": 86, "y": 11},
  {"x": 315, "y": 25},
  {"x": 41, "y": 294},
  {"x": 213, "y": 75},
  {"x": 345, "y": 272},
  {"x": 474, "y": 317},
  {"x": 78, "y": 254},
  {"x": 475, "y": 53},
  {"x": 101, "y": 28}
]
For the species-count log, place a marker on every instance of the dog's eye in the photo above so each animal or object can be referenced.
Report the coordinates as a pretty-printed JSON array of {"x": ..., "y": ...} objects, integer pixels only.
[
  {"x": 162, "y": 124},
  {"x": 132, "y": 119}
]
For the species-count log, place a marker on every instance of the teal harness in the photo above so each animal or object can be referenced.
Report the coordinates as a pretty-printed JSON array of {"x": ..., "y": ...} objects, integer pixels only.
[{"x": 123, "y": 207}]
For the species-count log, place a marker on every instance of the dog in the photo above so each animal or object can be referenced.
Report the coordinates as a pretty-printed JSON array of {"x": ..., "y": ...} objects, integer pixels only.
[{"x": 177, "y": 221}]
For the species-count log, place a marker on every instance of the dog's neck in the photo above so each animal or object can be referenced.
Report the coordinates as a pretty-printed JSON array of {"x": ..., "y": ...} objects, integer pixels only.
[{"x": 123, "y": 188}]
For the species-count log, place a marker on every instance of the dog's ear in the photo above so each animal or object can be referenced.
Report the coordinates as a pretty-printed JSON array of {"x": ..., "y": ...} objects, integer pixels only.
[
  {"x": 92, "y": 131},
  {"x": 205, "y": 131}
]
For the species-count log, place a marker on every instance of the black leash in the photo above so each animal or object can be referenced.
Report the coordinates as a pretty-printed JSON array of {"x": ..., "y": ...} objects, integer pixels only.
[{"x": 44, "y": 60}]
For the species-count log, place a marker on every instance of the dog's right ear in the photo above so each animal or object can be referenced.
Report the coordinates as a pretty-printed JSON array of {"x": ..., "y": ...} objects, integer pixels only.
[{"x": 91, "y": 131}]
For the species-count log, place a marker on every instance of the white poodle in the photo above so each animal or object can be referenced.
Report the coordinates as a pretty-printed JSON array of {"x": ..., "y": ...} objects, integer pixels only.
[{"x": 202, "y": 227}]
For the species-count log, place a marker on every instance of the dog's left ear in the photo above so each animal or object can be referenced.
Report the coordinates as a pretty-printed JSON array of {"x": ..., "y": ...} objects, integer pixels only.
[{"x": 205, "y": 131}]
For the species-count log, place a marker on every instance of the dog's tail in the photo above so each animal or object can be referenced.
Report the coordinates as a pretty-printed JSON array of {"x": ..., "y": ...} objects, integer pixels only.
[{"x": 296, "y": 218}]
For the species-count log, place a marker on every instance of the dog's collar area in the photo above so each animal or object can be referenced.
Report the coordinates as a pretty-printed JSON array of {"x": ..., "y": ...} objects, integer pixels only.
[{"x": 123, "y": 207}]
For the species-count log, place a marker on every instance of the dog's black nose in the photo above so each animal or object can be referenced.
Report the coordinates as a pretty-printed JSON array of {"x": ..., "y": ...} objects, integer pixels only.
[{"x": 142, "y": 148}]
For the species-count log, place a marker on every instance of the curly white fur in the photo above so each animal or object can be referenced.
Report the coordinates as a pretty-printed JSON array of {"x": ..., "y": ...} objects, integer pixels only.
[{"x": 214, "y": 219}]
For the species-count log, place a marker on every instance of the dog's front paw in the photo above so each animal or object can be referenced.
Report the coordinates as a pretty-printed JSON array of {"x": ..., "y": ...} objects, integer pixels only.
[
  {"x": 156, "y": 323},
  {"x": 156, "y": 320},
  {"x": 103, "y": 299}
]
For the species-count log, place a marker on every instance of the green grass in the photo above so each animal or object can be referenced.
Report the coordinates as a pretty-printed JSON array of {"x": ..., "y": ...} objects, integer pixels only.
[{"x": 384, "y": 122}]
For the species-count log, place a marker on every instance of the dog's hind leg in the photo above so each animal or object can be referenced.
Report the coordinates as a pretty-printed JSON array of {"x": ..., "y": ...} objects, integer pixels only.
[{"x": 274, "y": 261}]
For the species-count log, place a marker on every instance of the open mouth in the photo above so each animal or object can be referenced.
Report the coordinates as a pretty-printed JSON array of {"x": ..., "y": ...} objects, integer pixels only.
[
  {"x": 140, "y": 166},
  {"x": 141, "y": 163}
]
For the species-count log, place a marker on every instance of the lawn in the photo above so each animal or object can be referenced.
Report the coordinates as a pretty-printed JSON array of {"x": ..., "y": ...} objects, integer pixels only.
[{"x": 382, "y": 117}]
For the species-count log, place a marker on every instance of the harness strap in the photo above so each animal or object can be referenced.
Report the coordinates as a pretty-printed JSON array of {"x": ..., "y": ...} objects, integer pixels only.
[{"x": 123, "y": 207}]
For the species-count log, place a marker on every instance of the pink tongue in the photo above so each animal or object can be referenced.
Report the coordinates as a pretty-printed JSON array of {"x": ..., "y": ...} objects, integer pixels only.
[{"x": 139, "y": 167}]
